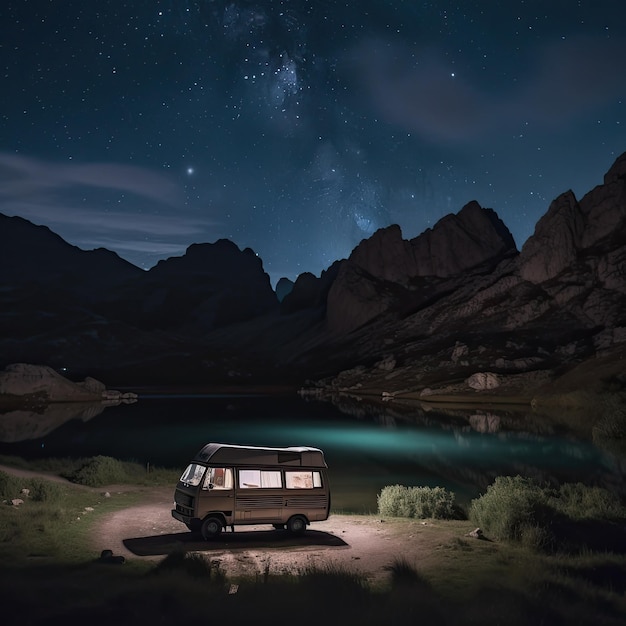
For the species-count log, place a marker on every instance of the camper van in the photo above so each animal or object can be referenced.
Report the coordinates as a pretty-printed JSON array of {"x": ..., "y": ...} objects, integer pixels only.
[{"x": 228, "y": 485}]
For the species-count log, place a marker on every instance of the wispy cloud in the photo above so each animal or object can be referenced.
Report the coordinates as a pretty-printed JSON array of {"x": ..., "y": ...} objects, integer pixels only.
[
  {"x": 150, "y": 223},
  {"x": 562, "y": 80},
  {"x": 24, "y": 176}
]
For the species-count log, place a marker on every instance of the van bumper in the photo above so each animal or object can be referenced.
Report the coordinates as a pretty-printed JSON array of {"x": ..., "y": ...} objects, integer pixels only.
[{"x": 185, "y": 519}]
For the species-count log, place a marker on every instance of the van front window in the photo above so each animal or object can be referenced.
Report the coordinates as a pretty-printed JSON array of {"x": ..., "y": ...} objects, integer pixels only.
[
  {"x": 193, "y": 474},
  {"x": 218, "y": 478}
]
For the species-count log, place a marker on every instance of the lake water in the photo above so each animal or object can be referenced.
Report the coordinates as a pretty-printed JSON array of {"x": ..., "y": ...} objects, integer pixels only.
[{"x": 366, "y": 448}]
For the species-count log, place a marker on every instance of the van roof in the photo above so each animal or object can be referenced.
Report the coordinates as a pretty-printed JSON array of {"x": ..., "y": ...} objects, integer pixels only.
[{"x": 260, "y": 455}]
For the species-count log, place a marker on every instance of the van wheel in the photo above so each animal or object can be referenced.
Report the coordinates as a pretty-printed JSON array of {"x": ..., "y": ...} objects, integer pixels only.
[
  {"x": 211, "y": 528},
  {"x": 296, "y": 524}
]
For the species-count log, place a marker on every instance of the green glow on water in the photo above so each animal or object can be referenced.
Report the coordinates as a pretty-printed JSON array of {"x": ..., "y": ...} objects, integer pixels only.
[{"x": 363, "y": 455}]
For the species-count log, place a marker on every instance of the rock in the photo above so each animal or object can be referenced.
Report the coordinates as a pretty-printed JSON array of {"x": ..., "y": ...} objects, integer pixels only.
[
  {"x": 16, "y": 501},
  {"x": 481, "y": 381},
  {"x": 460, "y": 350},
  {"x": 22, "y": 379},
  {"x": 107, "y": 556},
  {"x": 386, "y": 364}
]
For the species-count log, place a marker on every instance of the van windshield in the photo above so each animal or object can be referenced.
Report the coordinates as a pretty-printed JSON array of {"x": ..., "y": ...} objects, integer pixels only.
[{"x": 193, "y": 474}]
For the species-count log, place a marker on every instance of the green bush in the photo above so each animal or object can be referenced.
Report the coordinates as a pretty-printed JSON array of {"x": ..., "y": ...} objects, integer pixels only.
[
  {"x": 578, "y": 501},
  {"x": 519, "y": 509},
  {"x": 513, "y": 508},
  {"x": 10, "y": 486},
  {"x": 417, "y": 502},
  {"x": 99, "y": 471},
  {"x": 44, "y": 490}
]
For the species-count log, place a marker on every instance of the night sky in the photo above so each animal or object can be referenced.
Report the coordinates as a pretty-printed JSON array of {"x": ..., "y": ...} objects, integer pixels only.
[{"x": 298, "y": 128}]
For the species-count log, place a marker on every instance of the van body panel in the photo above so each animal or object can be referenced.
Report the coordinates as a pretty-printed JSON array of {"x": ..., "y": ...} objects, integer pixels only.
[{"x": 253, "y": 485}]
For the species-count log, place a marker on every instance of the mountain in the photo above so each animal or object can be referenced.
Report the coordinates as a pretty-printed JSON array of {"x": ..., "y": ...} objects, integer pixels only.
[{"x": 457, "y": 309}]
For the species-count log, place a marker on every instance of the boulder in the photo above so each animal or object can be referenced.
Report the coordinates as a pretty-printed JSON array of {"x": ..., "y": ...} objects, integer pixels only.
[
  {"x": 22, "y": 379},
  {"x": 481, "y": 381}
]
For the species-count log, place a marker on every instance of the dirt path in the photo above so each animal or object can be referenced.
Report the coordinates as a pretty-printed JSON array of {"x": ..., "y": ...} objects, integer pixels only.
[{"x": 148, "y": 531}]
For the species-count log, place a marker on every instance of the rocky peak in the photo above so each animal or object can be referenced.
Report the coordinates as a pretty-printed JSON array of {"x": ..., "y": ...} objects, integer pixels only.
[
  {"x": 34, "y": 254},
  {"x": 473, "y": 236},
  {"x": 309, "y": 292},
  {"x": 570, "y": 228},
  {"x": 617, "y": 171},
  {"x": 368, "y": 281},
  {"x": 385, "y": 255},
  {"x": 555, "y": 242}
]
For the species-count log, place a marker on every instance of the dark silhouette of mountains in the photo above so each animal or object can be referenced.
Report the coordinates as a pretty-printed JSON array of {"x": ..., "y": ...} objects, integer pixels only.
[{"x": 397, "y": 315}]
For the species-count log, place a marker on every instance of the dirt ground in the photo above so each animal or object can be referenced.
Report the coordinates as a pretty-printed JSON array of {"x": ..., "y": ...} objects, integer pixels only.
[{"x": 365, "y": 544}]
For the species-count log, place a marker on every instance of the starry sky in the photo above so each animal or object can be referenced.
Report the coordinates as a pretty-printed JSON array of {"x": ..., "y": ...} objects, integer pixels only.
[{"x": 299, "y": 127}]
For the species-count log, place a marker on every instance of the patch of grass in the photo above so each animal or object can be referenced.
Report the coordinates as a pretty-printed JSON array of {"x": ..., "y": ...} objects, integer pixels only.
[
  {"x": 99, "y": 471},
  {"x": 53, "y": 521},
  {"x": 404, "y": 574}
]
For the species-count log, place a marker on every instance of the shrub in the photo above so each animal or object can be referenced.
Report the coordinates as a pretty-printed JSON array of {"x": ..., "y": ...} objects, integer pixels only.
[
  {"x": 418, "y": 502},
  {"x": 578, "y": 501},
  {"x": 99, "y": 471},
  {"x": 513, "y": 508},
  {"x": 44, "y": 490},
  {"x": 10, "y": 486}
]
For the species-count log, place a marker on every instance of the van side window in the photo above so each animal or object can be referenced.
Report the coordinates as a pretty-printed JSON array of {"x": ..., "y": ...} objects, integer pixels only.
[
  {"x": 219, "y": 477},
  {"x": 298, "y": 479},
  {"x": 259, "y": 479}
]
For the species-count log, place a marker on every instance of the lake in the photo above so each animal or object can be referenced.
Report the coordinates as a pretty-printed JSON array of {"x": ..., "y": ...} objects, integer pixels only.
[{"x": 366, "y": 447}]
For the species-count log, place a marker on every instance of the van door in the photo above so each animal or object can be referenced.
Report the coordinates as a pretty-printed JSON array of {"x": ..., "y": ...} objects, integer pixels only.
[
  {"x": 258, "y": 495},
  {"x": 217, "y": 493}
]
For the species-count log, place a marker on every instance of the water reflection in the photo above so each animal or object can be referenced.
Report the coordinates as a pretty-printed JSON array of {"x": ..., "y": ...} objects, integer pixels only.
[
  {"x": 23, "y": 424},
  {"x": 367, "y": 446}
]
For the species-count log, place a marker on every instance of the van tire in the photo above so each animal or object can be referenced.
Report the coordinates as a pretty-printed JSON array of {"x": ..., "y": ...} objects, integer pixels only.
[
  {"x": 296, "y": 525},
  {"x": 211, "y": 528}
]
